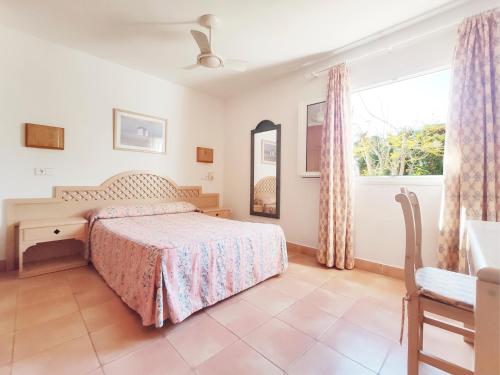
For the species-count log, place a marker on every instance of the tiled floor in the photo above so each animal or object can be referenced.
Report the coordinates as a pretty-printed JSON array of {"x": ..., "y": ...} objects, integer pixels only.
[{"x": 309, "y": 321}]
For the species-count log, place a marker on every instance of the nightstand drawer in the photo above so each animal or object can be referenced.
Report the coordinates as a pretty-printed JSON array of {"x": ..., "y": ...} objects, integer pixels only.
[
  {"x": 54, "y": 233},
  {"x": 224, "y": 213}
]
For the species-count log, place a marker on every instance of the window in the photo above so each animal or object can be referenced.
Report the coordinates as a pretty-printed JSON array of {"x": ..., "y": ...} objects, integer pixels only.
[
  {"x": 311, "y": 116},
  {"x": 399, "y": 128},
  {"x": 315, "y": 117}
]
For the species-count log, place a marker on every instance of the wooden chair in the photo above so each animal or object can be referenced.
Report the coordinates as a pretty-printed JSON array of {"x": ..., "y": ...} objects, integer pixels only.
[{"x": 447, "y": 294}]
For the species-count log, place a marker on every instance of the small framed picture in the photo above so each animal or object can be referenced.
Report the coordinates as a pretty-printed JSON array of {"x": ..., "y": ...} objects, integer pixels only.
[
  {"x": 138, "y": 132},
  {"x": 268, "y": 152}
]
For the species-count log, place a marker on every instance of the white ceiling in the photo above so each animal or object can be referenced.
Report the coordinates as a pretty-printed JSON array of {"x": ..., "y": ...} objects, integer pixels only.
[{"x": 275, "y": 36}]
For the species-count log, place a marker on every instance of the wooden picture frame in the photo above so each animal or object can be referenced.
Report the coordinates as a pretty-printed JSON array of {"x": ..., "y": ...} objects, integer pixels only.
[
  {"x": 204, "y": 155},
  {"x": 139, "y": 132},
  {"x": 44, "y": 136}
]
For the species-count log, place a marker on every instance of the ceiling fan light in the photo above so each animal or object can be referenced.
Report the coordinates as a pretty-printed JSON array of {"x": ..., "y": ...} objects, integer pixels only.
[{"x": 211, "y": 61}]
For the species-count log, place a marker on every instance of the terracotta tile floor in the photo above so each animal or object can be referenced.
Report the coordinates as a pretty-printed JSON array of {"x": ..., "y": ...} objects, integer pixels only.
[{"x": 309, "y": 321}]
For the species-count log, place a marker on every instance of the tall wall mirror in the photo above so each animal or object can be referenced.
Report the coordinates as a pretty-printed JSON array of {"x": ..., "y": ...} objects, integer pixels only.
[{"x": 265, "y": 170}]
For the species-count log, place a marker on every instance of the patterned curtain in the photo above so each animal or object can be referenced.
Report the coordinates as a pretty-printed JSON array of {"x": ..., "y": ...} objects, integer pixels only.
[
  {"x": 335, "y": 209},
  {"x": 472, "y": 151}
]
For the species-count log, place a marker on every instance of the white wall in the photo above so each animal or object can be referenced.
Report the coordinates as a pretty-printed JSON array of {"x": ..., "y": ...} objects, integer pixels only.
[
  {"x": 44, "y": 83},
  {"x": 379, "y": 228},
  {"x": 379, "y": 231}
]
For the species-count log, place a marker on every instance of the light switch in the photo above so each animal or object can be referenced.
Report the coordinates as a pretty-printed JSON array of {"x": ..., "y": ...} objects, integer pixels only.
[
  {"x": 44, "y": 171},
  {"x": 208, "y": 177}
]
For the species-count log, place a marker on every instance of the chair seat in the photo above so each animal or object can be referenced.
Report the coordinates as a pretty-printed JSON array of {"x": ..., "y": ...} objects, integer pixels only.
[{"x": 452, "y": 288}]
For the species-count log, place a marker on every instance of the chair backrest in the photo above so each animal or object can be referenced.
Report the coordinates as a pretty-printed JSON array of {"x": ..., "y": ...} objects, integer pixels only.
[
  {"x": 413, "y": 224},
  {"x": 418, "y": 228}
]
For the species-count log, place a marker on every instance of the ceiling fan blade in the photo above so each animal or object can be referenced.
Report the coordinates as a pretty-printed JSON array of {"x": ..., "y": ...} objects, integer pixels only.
[
  {"x": 165, "y": 23},
  {"x": 202, "y": 41},
  {"x": 191, "y": 67},
  {"x": 238, "y": 65}
]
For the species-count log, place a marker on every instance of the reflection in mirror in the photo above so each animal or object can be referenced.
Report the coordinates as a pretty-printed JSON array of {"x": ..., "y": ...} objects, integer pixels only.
[
  {"x": 265, "y": 170},
  {"x": 264, "y": 189}
]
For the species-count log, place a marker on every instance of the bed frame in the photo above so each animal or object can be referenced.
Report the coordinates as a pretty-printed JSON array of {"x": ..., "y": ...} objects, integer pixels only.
[{"x": 134, "y": 187}]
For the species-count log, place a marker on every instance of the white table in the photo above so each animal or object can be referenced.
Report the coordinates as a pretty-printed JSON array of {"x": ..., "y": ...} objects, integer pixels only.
[{"x": 483, "y": 253}]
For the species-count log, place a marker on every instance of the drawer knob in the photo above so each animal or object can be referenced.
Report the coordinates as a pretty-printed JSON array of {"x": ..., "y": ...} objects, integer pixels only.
[
  {"x": 217, "y": 214},
  {"x": 57, "y": 231}
]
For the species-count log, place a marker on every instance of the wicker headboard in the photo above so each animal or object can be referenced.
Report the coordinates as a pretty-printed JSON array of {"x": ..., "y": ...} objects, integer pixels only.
[
  {"x": 130, "y": 185},
  {"x": 265, "y": 185},
  {"x": 126, "y": 188}
]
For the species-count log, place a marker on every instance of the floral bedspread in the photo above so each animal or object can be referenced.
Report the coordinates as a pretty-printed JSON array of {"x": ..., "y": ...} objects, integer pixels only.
[{"x": 170, "y": 265}]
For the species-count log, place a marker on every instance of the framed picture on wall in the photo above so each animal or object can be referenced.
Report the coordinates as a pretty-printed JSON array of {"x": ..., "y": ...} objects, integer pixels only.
[
  {"x": 138, "y": 132},
  {"x": 268, "y": 152}
]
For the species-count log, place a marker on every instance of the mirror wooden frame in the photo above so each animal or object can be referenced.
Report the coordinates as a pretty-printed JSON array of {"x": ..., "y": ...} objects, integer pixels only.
[{"x": 264, "y": 126}]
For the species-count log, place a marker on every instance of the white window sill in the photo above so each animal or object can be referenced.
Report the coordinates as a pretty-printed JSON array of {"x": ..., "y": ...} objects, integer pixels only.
[
  {"x": 390, "y": 180},
  {"x": 309, "y": 174},
  {"x": 400, "y": 180}
]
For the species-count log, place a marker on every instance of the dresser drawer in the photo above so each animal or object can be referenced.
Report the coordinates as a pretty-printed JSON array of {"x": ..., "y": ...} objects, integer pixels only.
[{"x": 53, "y": 233}]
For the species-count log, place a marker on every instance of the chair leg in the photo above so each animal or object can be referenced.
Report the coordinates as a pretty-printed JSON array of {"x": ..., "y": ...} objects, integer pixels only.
[{"x": 414, "y": 321}]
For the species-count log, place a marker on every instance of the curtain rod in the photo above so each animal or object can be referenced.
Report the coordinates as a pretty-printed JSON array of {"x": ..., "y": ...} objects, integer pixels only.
[{"x": 317, "y": 73}]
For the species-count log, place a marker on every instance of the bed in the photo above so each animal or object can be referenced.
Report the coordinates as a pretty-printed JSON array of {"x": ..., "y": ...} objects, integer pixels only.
[
  {"x": 163, "y": 258},
  {"x": 167, "y": 261}
]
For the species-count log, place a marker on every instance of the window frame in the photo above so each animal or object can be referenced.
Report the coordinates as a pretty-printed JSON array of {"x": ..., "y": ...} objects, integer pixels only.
[
  {"x": 302, "y": 138},
  {"x": 378, "y": 180}
]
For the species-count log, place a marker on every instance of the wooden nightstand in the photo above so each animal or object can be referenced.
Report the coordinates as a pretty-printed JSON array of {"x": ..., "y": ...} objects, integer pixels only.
[
  {"x": 217, "y": 211},
  {"x": 32, "y": 232}
]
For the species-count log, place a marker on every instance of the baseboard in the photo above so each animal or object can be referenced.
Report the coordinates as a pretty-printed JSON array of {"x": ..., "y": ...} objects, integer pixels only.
[
  {"x": 362, "y": 264},
  {"x": 300, "y": 249},
  {"x": 380, "y": 268}
]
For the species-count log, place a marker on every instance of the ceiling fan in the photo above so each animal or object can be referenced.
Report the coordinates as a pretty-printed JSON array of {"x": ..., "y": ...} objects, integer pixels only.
[{"x": 207, "y": 57}]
